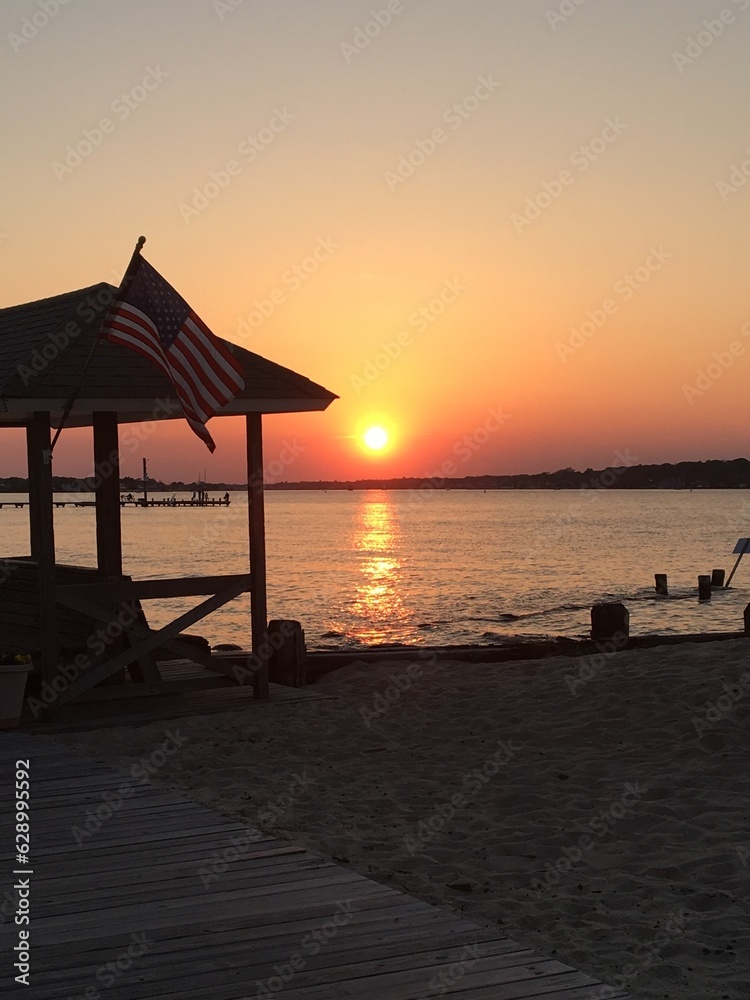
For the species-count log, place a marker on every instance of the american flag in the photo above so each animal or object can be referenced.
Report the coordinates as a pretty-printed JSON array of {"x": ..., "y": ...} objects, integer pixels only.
[{"x": 150, "y": 317}]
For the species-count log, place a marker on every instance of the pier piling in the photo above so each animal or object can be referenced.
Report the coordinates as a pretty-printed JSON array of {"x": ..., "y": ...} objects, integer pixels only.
[
  {"x": 662, "y": 586},
  {"x": 288, "y": 660},
  {"x": 704, "y": 587},
  {"x": 609, "y": 620}
]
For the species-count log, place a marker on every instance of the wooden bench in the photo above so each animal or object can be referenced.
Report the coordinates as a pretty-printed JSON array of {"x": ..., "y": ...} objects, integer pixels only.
[
  {"x": 97, "y": 600},
  {"x": 102, "y": 617},
  {"x": 20, "y": 630}
]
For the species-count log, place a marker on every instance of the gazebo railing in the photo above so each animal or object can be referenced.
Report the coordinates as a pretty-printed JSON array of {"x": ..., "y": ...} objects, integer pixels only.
[{"x": 97, "y": 600}]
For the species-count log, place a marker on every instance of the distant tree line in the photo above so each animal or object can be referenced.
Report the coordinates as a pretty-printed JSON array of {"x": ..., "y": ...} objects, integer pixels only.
[{"x": 714, "y": 474}]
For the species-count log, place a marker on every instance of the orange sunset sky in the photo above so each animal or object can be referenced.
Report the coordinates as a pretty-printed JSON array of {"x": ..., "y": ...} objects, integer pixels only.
[{"x": 512, "y": 234}]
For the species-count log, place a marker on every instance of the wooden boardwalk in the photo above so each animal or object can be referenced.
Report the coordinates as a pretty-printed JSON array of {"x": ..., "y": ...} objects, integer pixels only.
[{"x": 136, "y": 911}]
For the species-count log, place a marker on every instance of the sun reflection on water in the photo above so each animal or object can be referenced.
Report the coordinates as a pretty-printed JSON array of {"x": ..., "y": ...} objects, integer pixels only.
[{"x": 378, "y": 605}]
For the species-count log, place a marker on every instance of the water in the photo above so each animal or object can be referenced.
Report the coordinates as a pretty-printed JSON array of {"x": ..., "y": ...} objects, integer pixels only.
[{"x": 359, "y": 568}]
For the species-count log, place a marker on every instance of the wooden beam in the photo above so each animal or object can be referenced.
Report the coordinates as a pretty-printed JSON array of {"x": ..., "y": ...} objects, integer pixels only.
[
  {"x": 43, "y": 545},
  {"x": 257, "y": 529},
  {"x": 107, "y": 490},
  {"x": 132, "y": 409},
  {"x": 146, "y": 668},
  {"x": 34, "y": 468},
  {"x": 148, "y": 590}
]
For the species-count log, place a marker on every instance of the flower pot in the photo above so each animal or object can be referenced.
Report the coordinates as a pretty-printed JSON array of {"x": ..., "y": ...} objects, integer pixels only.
[{"x": 12, "y": 687}]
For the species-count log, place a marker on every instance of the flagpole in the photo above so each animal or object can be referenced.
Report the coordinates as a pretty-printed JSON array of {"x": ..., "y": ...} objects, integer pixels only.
[{"x": 126, "y": 282}]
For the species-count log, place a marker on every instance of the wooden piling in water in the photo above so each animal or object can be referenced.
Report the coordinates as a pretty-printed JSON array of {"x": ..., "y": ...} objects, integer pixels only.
[
  {"x": 717, "y": 577},
  {"x": 662, "y": 586},
  {"x": 704, "y": 587},
  {"x": 287, "y": 663},
  {"x": 609, "y": 620},
  {"x": 746, "y": 616}
]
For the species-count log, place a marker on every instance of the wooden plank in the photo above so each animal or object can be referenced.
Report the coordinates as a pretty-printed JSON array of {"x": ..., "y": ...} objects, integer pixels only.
[
  {"x": 257, "y": 541},
  {"x": 173, "y": 873},
  {"x": 329, "y": 965},
  {"x": 399, "y": 977},
  {"x": 379, "y": 922},
  {"x": 191, "y": 854},
  {"x": 43, "y": 546},
  {"x": 495, "y": 984},
  {"x": 117, "y": 692},
  {"x": 147, "y": 590},
  {"x": 162, "y": 913},
  {"x": 145, "y": 669},
  {"x": 217, "y": 665},
  {"x": 190, "y": 892},
  {"x": 107, "y": 492},
  {"x": 279, "y": 942},
  {"x": 250, "y": 924}
]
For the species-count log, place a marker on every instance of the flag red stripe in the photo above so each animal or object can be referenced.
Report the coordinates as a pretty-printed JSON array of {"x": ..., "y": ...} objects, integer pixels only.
[
  {"x": 224, "y": 363},
  {"x": 126, "y": 337},
  {"x": 195, "y": 356},
  {"x": 201, "y": 430},
  {"x": 133, "y": 321},
  {"x": 190, "y": 383},
  {"x": 136, "y": 319}
]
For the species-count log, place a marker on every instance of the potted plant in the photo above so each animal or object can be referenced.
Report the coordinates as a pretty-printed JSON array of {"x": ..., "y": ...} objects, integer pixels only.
[{"x": 14, "y": 669}]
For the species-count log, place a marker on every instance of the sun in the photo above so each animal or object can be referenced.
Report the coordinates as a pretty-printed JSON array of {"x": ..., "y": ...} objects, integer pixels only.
[{"x": 376, "y": 438}]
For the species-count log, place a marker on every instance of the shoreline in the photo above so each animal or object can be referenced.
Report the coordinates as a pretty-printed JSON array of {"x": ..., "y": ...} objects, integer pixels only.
[{"x": 320, "y": 663}]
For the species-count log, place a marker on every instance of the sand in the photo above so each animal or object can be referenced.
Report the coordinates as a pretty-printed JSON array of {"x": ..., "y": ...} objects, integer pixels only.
[{"x": 596, "y": 810}]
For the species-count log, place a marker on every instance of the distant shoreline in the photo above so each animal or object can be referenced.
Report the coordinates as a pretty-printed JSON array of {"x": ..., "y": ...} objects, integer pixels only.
[
  {"x": 710, "y": 475},
  {"x": 377, "y": 488}
]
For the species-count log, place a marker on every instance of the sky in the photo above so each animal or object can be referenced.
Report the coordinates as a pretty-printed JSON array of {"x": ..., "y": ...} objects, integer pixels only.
[{"x": 511, "y": 233}]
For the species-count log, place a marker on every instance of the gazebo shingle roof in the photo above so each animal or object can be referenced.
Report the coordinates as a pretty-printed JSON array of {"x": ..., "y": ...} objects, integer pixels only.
[{"x": 43, "y": 350}]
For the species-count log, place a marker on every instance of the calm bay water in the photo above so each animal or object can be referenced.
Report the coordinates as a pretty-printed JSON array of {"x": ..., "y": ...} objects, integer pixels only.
[{"x": 358, "y": 568}]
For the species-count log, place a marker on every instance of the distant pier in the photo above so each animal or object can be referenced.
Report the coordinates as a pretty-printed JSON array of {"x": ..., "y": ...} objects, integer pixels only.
[
  {"x": 57, "y": 503},
  {"x": 134, "y": 502},
  {"x": 173, "y": 502}
]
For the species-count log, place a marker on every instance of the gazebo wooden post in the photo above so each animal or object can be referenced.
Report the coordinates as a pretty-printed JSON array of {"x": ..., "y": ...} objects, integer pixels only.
[
  {"x": 108, "y": 526},
  {"x": 42, "y": 532},
  {"x": 257, "y": 528}
]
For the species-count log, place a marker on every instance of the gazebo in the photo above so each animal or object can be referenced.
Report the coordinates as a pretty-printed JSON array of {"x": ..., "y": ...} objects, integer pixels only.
[{"x": 44, "y": 347}]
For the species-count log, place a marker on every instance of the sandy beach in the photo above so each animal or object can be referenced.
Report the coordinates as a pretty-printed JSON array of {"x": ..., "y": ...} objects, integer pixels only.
[{"x": 596, "y": 809}]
